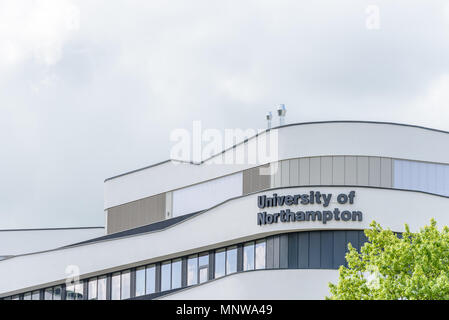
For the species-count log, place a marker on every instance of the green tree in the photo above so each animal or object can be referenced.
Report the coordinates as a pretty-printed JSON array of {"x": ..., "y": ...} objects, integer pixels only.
[{"x": 412, "y": 267}]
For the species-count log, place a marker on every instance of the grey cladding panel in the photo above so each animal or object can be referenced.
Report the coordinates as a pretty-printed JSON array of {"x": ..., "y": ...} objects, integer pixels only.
[
  {"x": 339, "y": 248},
  {"x": 363, "y": 171},
  {"x": 285, "y": 175},
  {"x": 350, "y": 170},
  {"x": 338, "y": 170},
  {"x": 276, "y": 257},
  {"x": 269, "y": 256},
  {"x": 283, "y": 251},
  {"x": 303, "y": 250},
  {"x": 315, "y": 171},
  {"x": 326, "y": 170},
  {"x": 314, "y": 250},
  {"x": 294, "y": 172},
  {"x": 293, "y": 250},
  {"x": 137, "y": 213},
  {"x": 256, "y": 179},
  {"x": 386, "y": 172},
  {"x": 374, "y": 171},
  {"x": 327, "y": 253},
  {"x": 304, "y": 171}
]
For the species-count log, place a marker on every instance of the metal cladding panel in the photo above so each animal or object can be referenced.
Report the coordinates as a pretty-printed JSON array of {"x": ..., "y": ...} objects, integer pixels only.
[
  {"x": 338, "y": 170},
  {"x": 269, "y": 255},
  {"x": 374, "y": 171},
  {"x": 350, "y": 170},
  {"x": 304, "y": 171},
  {"x": 256, "y": 179},
  {"x": 283, "y": 251},
  {"x": 293, "y": 250},
  {"x": 327, "y": 254},
  {"x": 339, "y": 248},
  {"x": 326, "y": 171},
  {"x": 362, "y": 171},
  {"x": 314, "y": 250},
  {"x": 315, "y": 171},
  {"x": 303, "y": 250},
  {"x": 136, "y": 214}
]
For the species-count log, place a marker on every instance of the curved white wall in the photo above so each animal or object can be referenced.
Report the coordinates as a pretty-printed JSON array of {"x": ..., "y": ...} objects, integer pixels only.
[
  {"x": 14, "y": 242},
  {"x": 233, "y": 221},
  {"x": 287, "y": 284},
  {"x": 302, "y": 140}
]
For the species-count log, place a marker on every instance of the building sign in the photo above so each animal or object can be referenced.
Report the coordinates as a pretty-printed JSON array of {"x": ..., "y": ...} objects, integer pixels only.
[{"x": 314, "y": 197}]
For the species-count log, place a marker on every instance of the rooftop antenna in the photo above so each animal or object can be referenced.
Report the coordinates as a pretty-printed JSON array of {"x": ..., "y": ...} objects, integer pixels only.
[
  {"x": 281, "y": 113},
  {"x": 269, "y": 117}
]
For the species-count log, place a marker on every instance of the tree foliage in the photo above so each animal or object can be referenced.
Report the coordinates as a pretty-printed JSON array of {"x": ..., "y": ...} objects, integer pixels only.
[{"x": 412, "y": 267}]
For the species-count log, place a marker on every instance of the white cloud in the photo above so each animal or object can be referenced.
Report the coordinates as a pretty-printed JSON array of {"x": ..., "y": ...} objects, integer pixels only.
[{"x": 35, "y": 29}]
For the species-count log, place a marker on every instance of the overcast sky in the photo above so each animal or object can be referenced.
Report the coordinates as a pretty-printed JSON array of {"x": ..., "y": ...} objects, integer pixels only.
[{"x": 90, "y": 89}]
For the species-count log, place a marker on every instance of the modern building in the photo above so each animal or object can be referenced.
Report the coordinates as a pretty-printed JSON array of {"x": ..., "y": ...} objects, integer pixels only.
[{"x": 274, "y": 230}]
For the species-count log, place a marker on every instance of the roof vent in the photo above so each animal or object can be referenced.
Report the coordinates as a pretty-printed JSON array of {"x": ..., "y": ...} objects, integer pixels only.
[{"x": 281, "y": 113}]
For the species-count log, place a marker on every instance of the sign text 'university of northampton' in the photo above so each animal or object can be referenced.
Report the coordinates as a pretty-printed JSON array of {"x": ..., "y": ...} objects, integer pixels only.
[{"x": 314, "y": 197}]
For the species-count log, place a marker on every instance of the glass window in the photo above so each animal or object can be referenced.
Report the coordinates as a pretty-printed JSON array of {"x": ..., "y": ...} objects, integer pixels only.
[
  {"x": 176, "y": 274},
  {"x": 48, "y": 294},
  {"x": 27, "y": 296},
  {"x": 231, "y": 260},
  {"x": 126, "y": 285},
  {"x": 115, "y": 286},
  {"x": 16, "y": 297},
  {"x": 35, "y": 295},
  {"x": 220, "y": 263},
  {"x": 248, "y": 256},
  {"x": 57, "y": 291},
  {"x": 101, "y": 288},
  {"x": 140, "y": 281},
  {"x": 150, "y": 279},
  {"x": 79, "y": 290},
  {"x": 203, "y": 265},
  {"x": 192, "y": 270},
  {"x": 166, "y": 276},
  {"x": 92, "y": 289},
  {"x": 70, "y": 292},
  {"x": 260, "y": 254}
]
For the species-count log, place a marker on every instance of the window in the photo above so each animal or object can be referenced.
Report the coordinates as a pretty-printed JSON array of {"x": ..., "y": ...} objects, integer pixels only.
[
  {"x": 248, "y": 256},
  {"x": 166, "y": 276},
  {"x": 231, "y": 260},
  {"x": 70, "y": 292},
  {"x": 140, "y": 281},
  {"x": 115, "y": 286},
  {"x": 101, "y": 288},
  {"x": 421, "y": 176},
  {"x": 92, "y": 289},
  {"x": 150, "y": 286},
  {"x": 220, "y": 263},
  {"x": 192, "y": 270},
  {"x": 126, "y": 285},
  {"x": 176, "y": 274},
  {"x": 27, "y": 296},
  {"x": 16, "y": 297},
  {"x": 260, "y": 254},
  {"x": 48, "y": 294},
  {"x": 57, "y": 292},
  {"x": 79, "y": 290},
  {"x": 35, "y": 295},
  {"x": 203, "y": 266}
]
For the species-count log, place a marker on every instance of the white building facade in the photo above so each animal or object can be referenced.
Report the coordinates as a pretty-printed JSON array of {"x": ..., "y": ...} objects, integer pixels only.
[{"x": 232, "y": 231}]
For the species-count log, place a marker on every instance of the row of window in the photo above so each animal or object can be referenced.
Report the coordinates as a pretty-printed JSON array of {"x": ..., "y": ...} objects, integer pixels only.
[{"x": 198, "y": 270}]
